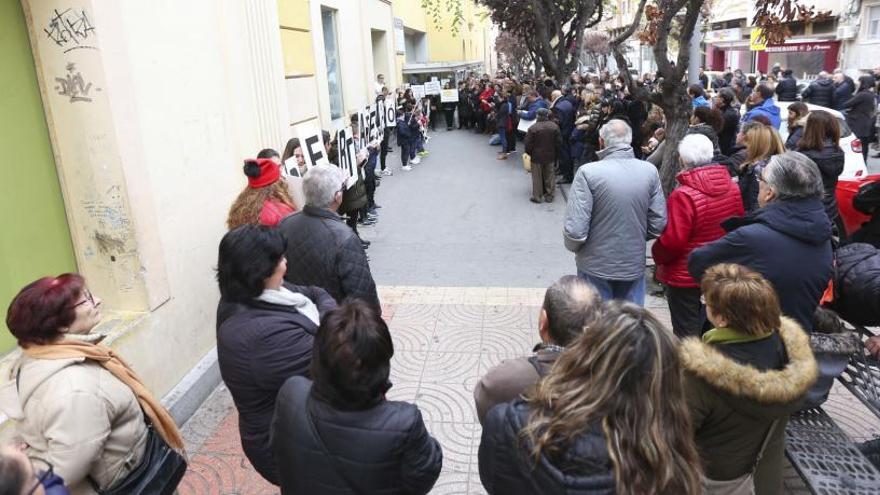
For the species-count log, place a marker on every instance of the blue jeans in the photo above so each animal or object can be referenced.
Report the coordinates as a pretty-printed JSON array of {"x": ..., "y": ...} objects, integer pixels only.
[{"x": 624, "y": 290}]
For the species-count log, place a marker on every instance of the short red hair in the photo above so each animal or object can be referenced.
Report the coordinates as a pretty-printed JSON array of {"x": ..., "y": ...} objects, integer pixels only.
[{"x": 42, "y": 308}]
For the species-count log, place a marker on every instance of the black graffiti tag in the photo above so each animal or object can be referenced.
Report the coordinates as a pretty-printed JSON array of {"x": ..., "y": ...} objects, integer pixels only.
[{"x": 70, "y": 27}]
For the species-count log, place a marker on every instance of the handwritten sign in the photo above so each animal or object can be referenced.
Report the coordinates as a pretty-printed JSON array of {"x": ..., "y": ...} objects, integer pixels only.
[
  {"x": 418, "y": 91},
  {"x": 449, "y": 96},
  {"x": 433, "y": 87}
]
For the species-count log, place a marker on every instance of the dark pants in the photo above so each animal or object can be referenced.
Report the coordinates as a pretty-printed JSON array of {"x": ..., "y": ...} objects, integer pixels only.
[
  {"x": 866, "y": 145},
  {"x": 370, "y": 182},
  {"x": 383, "y": 151},
  {"x": 352, "y": 220},
  {"x": 511, "y": 141},
  {"x": 566, "y": 169},
  {"x": 450, "y": 118},
  {"x": 405, "y": 149},
  {"x": 685, "y": 310}
]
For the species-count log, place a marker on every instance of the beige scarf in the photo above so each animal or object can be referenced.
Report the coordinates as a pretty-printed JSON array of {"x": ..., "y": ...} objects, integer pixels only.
[{"x": 109, "y": 360}]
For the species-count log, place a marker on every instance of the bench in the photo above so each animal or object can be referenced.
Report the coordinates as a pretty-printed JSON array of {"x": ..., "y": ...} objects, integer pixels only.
[{"x": 823, "y": 455}]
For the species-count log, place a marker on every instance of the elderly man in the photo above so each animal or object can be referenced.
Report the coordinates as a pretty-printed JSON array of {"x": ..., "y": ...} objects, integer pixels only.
[
  {"x": 570, "y": 304},
  {"x": 705, "y": 197},
  {"x": 615, "y": 205},
  {"x": 820, "y": 92},
  {"x": 788, "y": 240},
  {"x": 844, "y": 87},
  {"x": 543, "y": 141},
  {"x": 321, "y": 249}
]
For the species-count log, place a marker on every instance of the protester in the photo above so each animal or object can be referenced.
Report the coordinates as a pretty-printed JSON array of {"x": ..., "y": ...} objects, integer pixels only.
[
  {"x": 564, "y": 115},
  {"x": 704, "y": 79},
  {"x": 405, "y": 138},
  {"x": 707, "y": 122},
  {"x": 705, "y": 197},
  {"x": 763, "y": 106},
  {"x": 698, "y": 96},
  {"x": 265, "y": 329},
  {"x": 504, "y": 118},
  {"x": 20, "y": 475},
  {"x": 729, "y": 108},
  {"x": 270, "y": 154},
  {"x": 542, "y": 143},
  {"x": 386, "y": 137},
  {"x": 820, "y": 144},
  {"x": 379, "y": 86},
  {"x": 788, "y": 240},
  {"x": 570, "y": 306},
  {"x": 266, "y": 200},
  {"x": 77, "y": 404},
  {"x": 762, "y": 143},
  {"x": 742, "y": 381},
  {"x": 365, "y": 204},
  {"x": 612, "y": 401},
  {"x": 797, "y": 120},
  {"x": 820, "y": 92},
  {"x": 449, "y": 110},
  {"x": 339, "y": 434},
  {"x": 321, "y": 250},
  {"x": 294, "y": 150},
  {"x": 860, "y": 113},
  {"x": 614, "y": 206},
  {"x": 786, "y": 89},
  {"x": 844, "y": 87},
  {"x": 535, "y": 101},
  {"x": 465, "y": 110}
]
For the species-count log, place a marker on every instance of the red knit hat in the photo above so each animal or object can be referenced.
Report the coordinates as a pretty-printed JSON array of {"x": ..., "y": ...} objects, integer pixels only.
[{"x": 261, "y": 172}]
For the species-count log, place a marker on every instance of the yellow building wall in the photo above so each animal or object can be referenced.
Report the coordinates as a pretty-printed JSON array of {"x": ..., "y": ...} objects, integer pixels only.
[
  {"x": 412, "y": 13},
  {"x": 444, "y": 46},
  {"x": 296, "y": 37}
]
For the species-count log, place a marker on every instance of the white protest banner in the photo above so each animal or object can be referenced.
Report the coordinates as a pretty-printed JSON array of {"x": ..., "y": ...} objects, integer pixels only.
[
  {"x": 449, "y": 96},
  {"x": 525, "y": 124},
  {"x": 312, "y": 143},
  {"x": 390, "y": 114},
  {"x": 381, "y": 117},
  {"x": 434, "y": 78},
  {"x": 433, "y": 87},
  {"x": 418, "y": 91},
  {"x": 346, "y": 159},
  {"x": 444, "y": 82}
]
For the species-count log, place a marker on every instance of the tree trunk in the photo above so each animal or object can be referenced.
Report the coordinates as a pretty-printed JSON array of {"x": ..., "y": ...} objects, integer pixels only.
[{"x": 676, "y": 128}]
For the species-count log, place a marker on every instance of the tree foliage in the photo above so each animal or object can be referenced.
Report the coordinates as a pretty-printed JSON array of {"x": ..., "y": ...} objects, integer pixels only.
[
  {"x": 773, "y": 17},
  {"x": 513, "y": 50},
  {"x": 436, "y": 8}
]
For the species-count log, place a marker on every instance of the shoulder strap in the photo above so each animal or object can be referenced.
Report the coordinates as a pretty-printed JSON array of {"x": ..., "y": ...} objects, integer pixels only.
[
  {"x": 764, "y": 444},
  {"x": 320, "y": 441}
]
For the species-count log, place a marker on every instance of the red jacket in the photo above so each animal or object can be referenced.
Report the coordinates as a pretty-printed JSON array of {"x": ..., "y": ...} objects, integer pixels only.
[
  {"x": 273, "y": 212},
  {"x": 487, "y": 95},
  {"x": 705, "y": 197}
]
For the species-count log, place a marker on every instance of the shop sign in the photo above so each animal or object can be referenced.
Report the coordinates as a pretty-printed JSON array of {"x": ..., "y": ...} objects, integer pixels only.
[
  {"x": 720, "y": 35},
  {"x": 800, "y": 47}
]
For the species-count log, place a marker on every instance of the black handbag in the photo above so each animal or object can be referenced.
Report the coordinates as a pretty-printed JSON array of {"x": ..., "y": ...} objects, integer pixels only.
[{"x": 158, "y": 473}]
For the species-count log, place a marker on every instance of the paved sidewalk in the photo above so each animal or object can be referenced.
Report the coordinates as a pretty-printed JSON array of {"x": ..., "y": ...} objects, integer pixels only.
[{"x": 445, "y": 339}]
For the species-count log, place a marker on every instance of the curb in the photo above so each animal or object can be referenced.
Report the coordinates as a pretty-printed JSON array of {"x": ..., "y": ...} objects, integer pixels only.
[{"x": 191, "y": 391}]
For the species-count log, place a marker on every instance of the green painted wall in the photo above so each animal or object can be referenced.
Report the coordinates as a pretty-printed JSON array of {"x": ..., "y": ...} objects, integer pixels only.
[{"x": 35, "y": 239}]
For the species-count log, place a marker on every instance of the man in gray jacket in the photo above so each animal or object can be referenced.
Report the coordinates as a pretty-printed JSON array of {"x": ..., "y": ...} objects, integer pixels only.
[{"x": 614, "y": 207}]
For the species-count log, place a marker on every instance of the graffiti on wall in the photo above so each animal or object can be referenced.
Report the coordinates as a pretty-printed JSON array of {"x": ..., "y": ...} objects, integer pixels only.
[
  {"x": 74, "y": 86},
  {"x": 70, "y": 29}
]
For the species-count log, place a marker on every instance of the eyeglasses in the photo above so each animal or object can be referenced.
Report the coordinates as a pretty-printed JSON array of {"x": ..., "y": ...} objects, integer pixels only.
[
  {"x": 89, "y": 299},
  {"x": 45, "y": 470}
]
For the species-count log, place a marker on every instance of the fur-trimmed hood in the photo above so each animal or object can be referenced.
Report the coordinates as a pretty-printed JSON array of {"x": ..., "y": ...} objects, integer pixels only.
[{"x": 748, "y": 389}]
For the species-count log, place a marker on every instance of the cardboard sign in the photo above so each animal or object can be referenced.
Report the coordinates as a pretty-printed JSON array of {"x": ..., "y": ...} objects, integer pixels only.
[
  {"x": 449, "y": 96},
  {"x": 346, "y": 155},
  {"x": 312, "y": 143},
  {"x": 525, "y": 124},
  {"x": 433, "y": 88},
  {"x": 418, "y": 91},
  {"x": 390, "y": 114}
]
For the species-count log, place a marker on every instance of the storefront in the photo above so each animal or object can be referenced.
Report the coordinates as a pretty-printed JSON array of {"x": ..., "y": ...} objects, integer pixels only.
[
  {"x": 803, "y": 58},
  {"x": 726, "y": 49}
]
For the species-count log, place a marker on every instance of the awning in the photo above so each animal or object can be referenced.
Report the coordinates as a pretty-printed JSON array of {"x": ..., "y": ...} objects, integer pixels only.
[
  {"x": 732, "y": 45},
  {"x": 435, "y": 67}
]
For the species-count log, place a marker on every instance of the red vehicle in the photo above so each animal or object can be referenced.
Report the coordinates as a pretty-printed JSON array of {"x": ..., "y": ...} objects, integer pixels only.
[{"x": 846, "y": 191}]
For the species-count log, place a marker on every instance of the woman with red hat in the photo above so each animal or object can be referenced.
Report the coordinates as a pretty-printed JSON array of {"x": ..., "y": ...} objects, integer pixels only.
[{"x": 266, "y": 200}]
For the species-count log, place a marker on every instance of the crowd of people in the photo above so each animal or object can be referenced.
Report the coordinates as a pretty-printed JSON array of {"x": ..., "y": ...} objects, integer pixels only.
[{"x": 610, "y": 401}]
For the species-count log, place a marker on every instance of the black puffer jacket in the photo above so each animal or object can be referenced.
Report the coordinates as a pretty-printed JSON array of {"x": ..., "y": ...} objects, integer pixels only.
[
  {"x": 507, "y": 469},
  {"x": 830, "y": 162},
  {"x": 820, "y": 92},
  {"x": 382, "y": 450},
  {"x": 259, "y": 346},
  {"x": 323, "y": 251},
  {"x": 860, "y": 114},
  {"x": 843, "y": 92},
  {"x": 727, "y": 137},
  {"x": 786, "y": 90},
  {"x": 858, "y": 282}
]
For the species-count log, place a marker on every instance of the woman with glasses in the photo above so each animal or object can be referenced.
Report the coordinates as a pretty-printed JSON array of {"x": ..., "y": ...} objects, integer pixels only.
[
  {"x": 265, "y": 329},
  {"x": 20, "y": 475},
  {"x": 79, "y": 406}
]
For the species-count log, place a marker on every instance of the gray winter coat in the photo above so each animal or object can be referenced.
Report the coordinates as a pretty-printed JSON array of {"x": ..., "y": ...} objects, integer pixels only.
[{"x": 614, "y": 207}]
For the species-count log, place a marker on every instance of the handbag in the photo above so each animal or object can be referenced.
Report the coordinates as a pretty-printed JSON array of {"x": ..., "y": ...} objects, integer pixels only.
[
  {"x": 742, "y": 485},
  {"x": 527, "y": 162},
  {"x": 158, "y": 473}
]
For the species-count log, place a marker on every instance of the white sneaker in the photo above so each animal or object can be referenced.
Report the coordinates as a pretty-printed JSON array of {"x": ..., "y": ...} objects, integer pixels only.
[
  {"x": 387, "y": 172},
  {"x": 415, "y": 161},
  {"x": 407, "y": 168}
]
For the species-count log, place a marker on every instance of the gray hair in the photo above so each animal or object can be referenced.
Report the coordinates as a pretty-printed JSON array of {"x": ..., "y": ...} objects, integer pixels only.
[
  {"x": 793, "y": 176},
  {"x": 320, "y": 185},
  {"x": 616, "y": 132},
  {"x": 571, "y": 304},
  {"x": 695, "y": 149},
  {"x": 542, "y": 114}
]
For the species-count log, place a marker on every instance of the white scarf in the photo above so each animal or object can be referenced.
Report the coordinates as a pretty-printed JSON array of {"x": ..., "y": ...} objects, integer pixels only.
[{"x": 286, "y": 297}]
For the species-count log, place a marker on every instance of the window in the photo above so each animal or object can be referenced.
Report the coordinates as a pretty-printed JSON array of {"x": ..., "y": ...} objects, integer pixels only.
[
  {"x": 331, "y": 54},
  {"x": 874, "y": 22}
]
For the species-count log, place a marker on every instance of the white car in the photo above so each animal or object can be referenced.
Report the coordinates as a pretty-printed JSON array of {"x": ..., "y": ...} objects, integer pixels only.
[{"x": 854, "y": 166}]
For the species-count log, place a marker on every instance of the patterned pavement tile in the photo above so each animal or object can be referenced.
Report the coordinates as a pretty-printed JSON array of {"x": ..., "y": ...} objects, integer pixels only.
[{"x": 445, "y": 339}]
